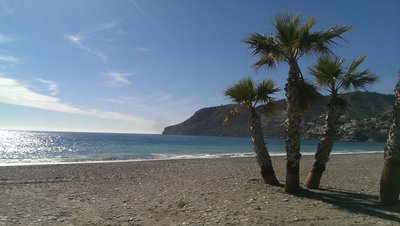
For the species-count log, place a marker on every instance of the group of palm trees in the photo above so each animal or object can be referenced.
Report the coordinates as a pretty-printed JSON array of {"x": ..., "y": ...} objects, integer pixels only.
[{"x": 291, "y": 40}]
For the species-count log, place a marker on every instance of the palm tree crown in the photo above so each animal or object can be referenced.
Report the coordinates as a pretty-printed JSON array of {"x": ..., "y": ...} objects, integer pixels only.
[
  {"x": 331, "y": 74},
  {"x": 288, "y": 44},
  {"x": 292, "y": 40},
  {"x": 247, "y": 93}
]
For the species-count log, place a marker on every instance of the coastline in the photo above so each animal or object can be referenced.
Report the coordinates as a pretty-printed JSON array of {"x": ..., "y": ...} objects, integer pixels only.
[
  {"x": 214, "y": 191},
  {"x": 178, "y": 157}
]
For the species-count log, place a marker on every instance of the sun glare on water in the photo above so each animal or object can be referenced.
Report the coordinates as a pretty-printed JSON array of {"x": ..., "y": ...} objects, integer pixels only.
[{"x": 26, "y": 144}]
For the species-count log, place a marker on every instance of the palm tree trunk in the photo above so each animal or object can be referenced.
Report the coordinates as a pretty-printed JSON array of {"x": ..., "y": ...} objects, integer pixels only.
[
  {"x": 390, "y": 179},
  {"x": 324, "y": 146},
  {"x": 293, "y": 129},
  {"x": 262, "y": 156},
  {"x": 390, "y": 182}
]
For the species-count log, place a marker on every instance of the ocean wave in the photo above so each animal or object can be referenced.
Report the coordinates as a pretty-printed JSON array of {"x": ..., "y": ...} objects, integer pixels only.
[{"x": 149, "y": 157}]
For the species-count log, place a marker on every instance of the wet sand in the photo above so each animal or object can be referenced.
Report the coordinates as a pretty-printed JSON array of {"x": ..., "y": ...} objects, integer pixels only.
[{"x": 226, "y": 191}]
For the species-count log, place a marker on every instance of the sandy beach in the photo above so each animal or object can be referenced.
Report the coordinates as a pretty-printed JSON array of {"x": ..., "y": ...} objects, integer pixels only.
[{"x": 226, "y": 191}]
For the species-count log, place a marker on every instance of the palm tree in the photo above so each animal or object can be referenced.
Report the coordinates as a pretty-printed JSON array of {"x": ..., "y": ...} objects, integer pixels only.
[
  {"x": 331, "y": 75},
  {"x": 288, "y": 44},
  {"x": 248, "y": 95},
  {"x": 390, "y": 179}
]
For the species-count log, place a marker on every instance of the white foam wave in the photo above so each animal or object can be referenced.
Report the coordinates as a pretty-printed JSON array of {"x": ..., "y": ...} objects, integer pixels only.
[{"x": 152, "y": 157}]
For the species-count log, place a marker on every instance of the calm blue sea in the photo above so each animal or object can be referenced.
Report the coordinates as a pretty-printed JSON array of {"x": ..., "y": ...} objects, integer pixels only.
[{"x": 28, "y": 147}]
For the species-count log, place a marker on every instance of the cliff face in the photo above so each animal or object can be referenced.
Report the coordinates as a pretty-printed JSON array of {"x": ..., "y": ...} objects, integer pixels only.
[
  {"x": 210, "y": 122},
  {"x": 366, "y": 119}
]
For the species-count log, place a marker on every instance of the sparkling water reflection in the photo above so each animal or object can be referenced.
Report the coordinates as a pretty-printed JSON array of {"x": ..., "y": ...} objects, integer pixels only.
[{"x": 26, "y": 144}]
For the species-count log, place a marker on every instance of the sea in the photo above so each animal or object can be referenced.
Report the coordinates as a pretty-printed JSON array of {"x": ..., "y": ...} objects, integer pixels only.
[{"x": 36, "y": 147}]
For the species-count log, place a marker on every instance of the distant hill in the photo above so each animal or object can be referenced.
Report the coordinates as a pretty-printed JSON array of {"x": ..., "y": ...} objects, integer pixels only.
[{"x": 367, "y": 119}]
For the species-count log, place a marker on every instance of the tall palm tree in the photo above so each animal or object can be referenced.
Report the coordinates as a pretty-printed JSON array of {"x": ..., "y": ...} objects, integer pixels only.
[
  {"x": 331, "y": 75},
  {"x": 248, "y": 95},
  {"x": 291, "y": 40},
  {"x": 390, "y": 179}
]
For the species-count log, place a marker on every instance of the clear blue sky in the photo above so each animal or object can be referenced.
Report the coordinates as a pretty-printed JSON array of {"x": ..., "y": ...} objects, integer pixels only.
[{"x": 138, "y": 66}]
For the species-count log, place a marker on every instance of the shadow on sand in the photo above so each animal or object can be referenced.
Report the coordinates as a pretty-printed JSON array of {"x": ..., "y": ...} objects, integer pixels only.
[{"x": 354, "y": 202}]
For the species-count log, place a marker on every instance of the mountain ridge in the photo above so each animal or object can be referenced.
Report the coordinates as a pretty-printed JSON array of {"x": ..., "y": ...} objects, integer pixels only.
[{"x": 366, "y": 119}]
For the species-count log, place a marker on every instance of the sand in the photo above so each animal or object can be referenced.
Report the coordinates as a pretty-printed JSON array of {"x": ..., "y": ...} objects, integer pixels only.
[{"x": 226, "y": 191}]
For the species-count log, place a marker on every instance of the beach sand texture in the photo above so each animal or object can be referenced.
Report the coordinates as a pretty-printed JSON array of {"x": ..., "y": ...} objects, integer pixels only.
[{"x": 226, "y": 191}]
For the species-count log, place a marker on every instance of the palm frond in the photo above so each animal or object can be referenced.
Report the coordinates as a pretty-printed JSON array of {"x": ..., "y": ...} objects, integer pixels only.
[
  {"x": 358, "y": 80},
  {"x": 320, "y": 42},
  {"x": 264, "y": 89},
  {"x": 287, "y": 27},
  {"x": 248, "y": 94},
  {"x": 267, "y": 48},
  {"x": 356, "y": 62},
  {"x": 266, "y": 60},
  {"x": 260, "y": 43},
  {"x": 304, "y": 36},
  {"x": 313, "y": 45},
  {"x": 328, "y": 71},
  {"x": 305, "y": 29},
  {"x": 242, "y": 92},
  {"x": 328, "y": 37}
]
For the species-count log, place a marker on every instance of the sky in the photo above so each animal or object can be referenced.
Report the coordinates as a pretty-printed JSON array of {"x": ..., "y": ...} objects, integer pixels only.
[{"x": 134, "y": 66}]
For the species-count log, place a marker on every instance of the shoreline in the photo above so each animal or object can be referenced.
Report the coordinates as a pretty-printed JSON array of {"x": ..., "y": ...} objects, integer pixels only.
[
  {"x": 219, "y": 191},
  {"x": 204, "y": 157}
]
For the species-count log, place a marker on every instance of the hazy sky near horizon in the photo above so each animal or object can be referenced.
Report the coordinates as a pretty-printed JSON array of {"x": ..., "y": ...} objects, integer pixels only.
[{"x": 137, "y": 66}]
